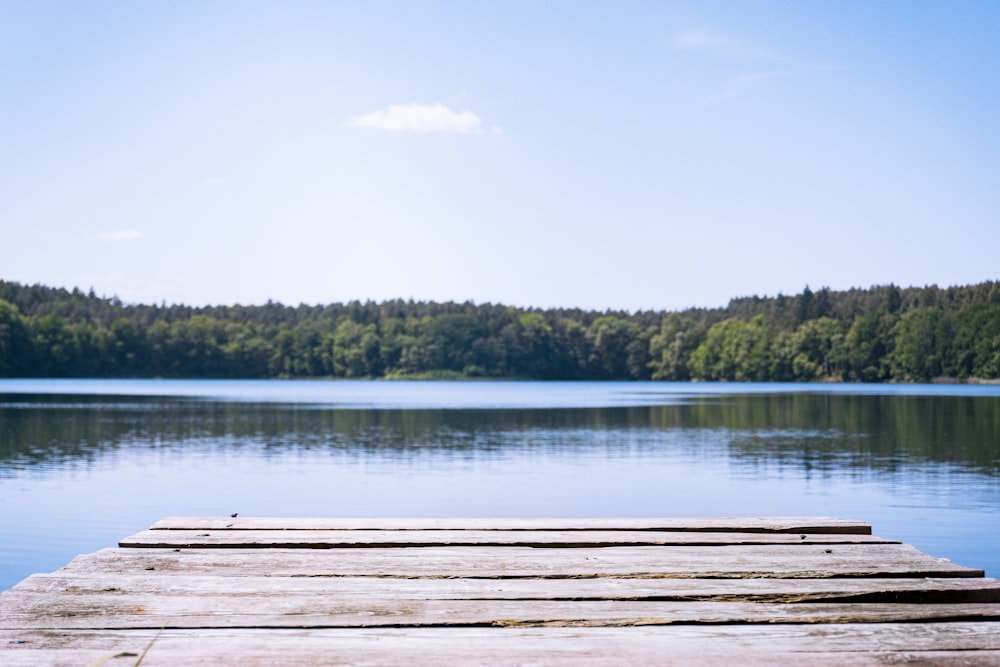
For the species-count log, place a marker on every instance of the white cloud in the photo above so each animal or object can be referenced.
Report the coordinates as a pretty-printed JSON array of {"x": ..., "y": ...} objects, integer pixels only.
[
  {"x": 424, "y": 118},
  {"x": 121, "y": 235}
]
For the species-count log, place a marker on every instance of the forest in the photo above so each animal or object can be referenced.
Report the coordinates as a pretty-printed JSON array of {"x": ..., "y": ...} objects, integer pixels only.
[{"x": 878, "y": 334}]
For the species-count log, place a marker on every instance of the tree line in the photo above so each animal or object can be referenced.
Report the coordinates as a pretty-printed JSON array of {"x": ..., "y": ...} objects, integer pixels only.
[{"x": 879, "y": 334}]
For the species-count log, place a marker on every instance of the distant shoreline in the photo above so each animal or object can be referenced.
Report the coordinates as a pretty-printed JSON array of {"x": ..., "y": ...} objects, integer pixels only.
[{"x": 882, "y": 334}]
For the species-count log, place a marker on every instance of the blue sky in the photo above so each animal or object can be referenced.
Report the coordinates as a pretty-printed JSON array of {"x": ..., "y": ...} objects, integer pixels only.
[{"x": 632, "y": 155}]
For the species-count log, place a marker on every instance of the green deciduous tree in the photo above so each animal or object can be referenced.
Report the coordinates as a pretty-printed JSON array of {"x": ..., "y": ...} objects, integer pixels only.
[
  {"x": 127, "y": 348},
  {"x": 818, "y": 345},
  {"x": 671, "y": 347},
  {"x": 357, "y": 350},
  {"x": 16, "y": 351},
  {"x": 868, "y": 345},
  {"x": 617, "y": 349},
  {"x": 977, "y": 341},
  {"x": 918, "y": 351},
  {"x": 734, "y": 349},
  {"x": 55, "y": 346}
]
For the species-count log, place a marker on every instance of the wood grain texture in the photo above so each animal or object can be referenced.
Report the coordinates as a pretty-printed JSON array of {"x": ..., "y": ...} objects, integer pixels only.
[
  {"x": 832, "y": 645},
  {"x": 234, "y": 654},
  {"x": 759, "y": 591},
  {"x": 903, "y": 590},
  {"x": 797, "y": 561},
  {"x": 110, "y": 610}
]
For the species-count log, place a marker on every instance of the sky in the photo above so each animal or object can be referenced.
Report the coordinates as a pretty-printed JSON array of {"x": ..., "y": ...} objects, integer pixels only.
[{"x": 625, "y": 155}]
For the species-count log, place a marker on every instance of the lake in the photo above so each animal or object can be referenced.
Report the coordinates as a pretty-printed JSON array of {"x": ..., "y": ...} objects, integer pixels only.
[{"x": 84, "y": 463}]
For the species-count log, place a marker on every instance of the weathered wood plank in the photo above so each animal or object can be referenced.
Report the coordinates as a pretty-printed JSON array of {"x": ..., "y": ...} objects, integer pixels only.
[
  {"x": 320, "y": 539},
  {"x": 555, "y": 591},
  {"x": 917, "y": 590},
  {"x": 854, "y": 645},
  {"x": 798, "y": 561},
  {"x": 295, "y": 657},
  {"x": 110, "y": 610},
  {"x": 713, "y": 525}
]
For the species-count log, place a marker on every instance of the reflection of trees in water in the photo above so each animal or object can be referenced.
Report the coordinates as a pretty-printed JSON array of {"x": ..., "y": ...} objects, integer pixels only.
[
  {"x": 877, "y": 431},
  {"x": 811, "y": 430}
]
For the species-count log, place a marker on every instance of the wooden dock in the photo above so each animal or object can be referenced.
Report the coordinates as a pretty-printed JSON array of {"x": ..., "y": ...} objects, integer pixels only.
[{"x": 243, "y": 591}]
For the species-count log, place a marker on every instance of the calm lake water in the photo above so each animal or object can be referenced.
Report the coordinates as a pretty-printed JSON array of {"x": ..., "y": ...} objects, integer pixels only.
[{"x": 84, "y": 463}]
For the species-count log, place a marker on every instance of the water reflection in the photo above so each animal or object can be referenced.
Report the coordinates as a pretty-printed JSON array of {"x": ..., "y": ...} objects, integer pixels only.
[
  {"x": 811, "y": 431},
  {"x": 83, "y": 465}
]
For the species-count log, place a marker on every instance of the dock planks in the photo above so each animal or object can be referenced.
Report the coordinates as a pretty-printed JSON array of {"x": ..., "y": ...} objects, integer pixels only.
[{"x": 800, "y": 590}]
